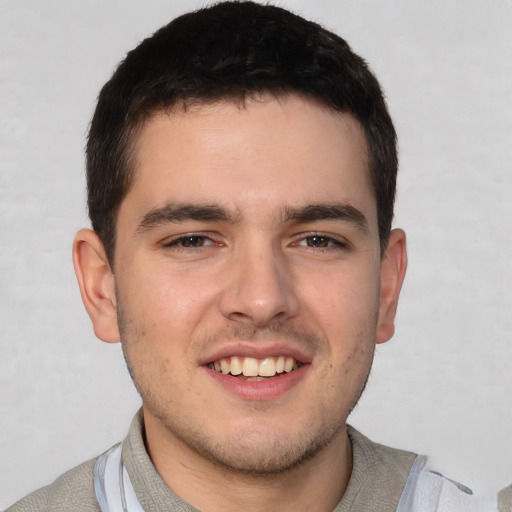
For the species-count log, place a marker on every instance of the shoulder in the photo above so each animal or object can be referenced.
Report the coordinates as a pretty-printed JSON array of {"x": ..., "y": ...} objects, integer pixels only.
[
  {"x": 74, "y": 490},
  {"x": 505, "y": 499},
  {"x": 379, "y": 475},
  {"x": 389, "y": 479},
  {"x": 392, "y": 460}
]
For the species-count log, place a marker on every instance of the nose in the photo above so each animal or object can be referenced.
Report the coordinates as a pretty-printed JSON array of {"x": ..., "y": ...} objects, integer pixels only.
[{"x": 259, "y": 288}]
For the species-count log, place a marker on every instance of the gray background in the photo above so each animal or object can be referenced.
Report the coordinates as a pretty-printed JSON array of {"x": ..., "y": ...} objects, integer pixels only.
[{"x": 442, "y": 386}]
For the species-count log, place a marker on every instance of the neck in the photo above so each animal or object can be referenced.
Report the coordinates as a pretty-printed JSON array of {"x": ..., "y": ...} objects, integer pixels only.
[{"x": 316, "y": 484}]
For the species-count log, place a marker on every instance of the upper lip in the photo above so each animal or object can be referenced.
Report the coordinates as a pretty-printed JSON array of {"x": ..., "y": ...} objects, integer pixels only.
[{"x": 256, "y": 350}]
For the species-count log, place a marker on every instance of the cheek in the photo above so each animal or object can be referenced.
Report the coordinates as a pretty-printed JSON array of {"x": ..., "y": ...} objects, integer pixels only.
[
  {"x": 347, "y": 315},
  {"x": 344, "y": 300},
  {"x": 160, "y": 299}
]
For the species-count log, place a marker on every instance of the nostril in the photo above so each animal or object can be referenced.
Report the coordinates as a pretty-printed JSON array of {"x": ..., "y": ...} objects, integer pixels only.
[{"x": 259, "y": 287}]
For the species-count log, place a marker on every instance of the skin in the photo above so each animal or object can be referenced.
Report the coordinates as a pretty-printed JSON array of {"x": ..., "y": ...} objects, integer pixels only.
[{"x": 264, "y": 277}]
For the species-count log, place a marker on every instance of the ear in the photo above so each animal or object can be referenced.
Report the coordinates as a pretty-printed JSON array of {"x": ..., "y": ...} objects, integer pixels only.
[
  {"x": 392, "y": 273},
  {"x": 97, "y": 285}
]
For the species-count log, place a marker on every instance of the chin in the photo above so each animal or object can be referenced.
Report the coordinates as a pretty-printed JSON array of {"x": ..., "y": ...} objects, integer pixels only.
[{"x": 264, "y": 452}]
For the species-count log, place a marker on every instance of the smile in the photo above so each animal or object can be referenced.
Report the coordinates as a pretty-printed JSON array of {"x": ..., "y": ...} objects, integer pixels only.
[{"x": 251, "y": 367}]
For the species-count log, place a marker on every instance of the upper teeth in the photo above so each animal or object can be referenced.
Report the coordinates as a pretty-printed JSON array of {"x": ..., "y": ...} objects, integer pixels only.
[{"x": 251, "y": 367}]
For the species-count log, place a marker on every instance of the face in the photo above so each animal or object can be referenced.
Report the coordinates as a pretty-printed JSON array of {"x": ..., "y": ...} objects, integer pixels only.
[{"x": 248, "y": 279}]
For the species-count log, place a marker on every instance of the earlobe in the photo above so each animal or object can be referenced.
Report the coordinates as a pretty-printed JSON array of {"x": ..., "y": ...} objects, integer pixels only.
[
  {"x": 392, "y": 273},
  {"x": 97, "y": 286}
]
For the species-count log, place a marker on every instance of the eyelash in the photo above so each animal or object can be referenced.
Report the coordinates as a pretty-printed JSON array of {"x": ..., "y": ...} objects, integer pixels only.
[
  {"x": 177, "y": 243},
  {"x": 336, "y": 243},
  {"x": 333, "y": 243}
]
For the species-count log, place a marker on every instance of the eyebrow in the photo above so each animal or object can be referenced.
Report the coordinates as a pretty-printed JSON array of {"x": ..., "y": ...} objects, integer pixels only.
[
  {"x": 332, "y": 211},
  {"x": 179, "y": 212}
]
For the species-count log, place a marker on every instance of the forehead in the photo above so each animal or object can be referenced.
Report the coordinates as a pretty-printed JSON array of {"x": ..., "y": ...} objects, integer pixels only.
[{"x": 269, "y": 154}]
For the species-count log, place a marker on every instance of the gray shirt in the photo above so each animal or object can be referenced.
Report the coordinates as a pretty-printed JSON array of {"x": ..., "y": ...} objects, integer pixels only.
[{"x": 378, "y": 478}]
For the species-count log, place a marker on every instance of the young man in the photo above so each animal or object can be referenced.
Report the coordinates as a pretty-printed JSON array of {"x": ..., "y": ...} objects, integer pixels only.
[{"x": 241, "y": 169}]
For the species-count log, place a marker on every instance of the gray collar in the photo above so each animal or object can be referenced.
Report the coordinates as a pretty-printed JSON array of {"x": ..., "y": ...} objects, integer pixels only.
[{"x": 378, "y": 477}]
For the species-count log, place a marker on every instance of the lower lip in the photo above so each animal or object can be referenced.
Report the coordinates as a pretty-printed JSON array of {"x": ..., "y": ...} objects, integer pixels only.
[{"x": 259, "y": 390}]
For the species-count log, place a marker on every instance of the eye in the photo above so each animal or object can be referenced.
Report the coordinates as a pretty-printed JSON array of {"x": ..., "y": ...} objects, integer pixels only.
[
  {"x": 318, "y": 241},
  {"x": 192, "y": 241},
  {"x": 321, "y": 241}
]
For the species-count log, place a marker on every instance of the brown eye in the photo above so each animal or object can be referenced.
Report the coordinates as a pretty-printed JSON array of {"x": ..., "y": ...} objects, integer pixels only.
[
  {"x": 318, "y": 241},
  {"x": 321, "y": 241},
  {"x": 192, "y": 241}
]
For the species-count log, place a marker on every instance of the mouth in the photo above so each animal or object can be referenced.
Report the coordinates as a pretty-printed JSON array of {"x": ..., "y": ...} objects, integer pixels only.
[{"x": 252, "y": 369}]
